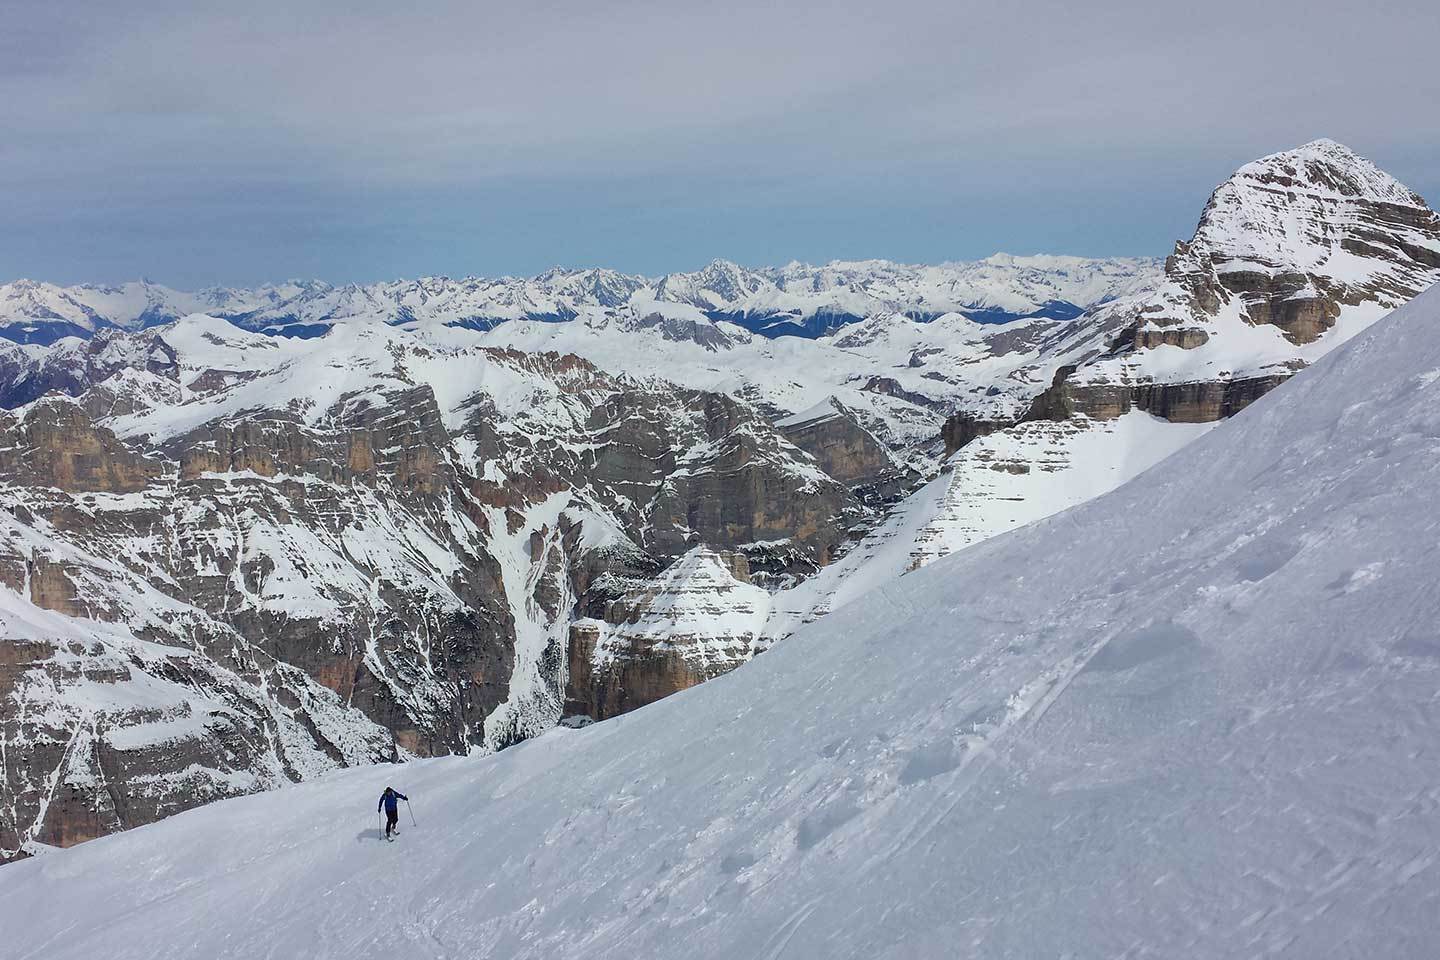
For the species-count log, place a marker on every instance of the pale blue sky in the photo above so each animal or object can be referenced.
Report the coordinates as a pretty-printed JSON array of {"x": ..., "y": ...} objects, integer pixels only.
[{"x": 200, "y": 143}]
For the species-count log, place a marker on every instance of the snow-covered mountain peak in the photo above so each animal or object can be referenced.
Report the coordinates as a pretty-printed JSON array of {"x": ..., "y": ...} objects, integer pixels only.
[
  {"x": 1040, "y": 261},
  {"x": 718, "y": 284},
  {"x": 1297, "y": 209},
  {"x": 1327, "y": 165},
  {"x": 1294, "y": 253},
  {"x": 796, "y": 300}
]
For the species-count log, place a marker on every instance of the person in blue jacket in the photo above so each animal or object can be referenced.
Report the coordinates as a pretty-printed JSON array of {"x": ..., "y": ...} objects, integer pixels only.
[{"x": 390, "y": 802}]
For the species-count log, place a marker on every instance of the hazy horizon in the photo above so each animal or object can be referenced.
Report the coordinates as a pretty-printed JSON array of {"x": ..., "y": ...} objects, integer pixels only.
[
  {"x": 569, "y": 268},
  {"x": 202, "y": 145}
]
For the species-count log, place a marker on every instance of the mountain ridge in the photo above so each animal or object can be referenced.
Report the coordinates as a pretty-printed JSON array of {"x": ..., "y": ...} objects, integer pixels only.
[
  {"x": 1209, "y": 736},
  {"x": 409, "y": 538},
  {"x": 774, "y": 301}
]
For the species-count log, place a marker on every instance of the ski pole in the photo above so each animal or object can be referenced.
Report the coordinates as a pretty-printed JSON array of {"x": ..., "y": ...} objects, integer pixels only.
[
  {"x": 380, "y": 824},
  {"x": 412, "y": 812}
]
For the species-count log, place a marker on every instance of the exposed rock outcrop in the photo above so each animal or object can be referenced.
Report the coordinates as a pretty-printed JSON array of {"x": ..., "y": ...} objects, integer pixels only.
[
  {"x": 1293, "y": 255},
  {"x": 1187, "y": 402},
  {"x": 845, "y": 450},
  {"x": 963, "y": 427},
  {"x": 56, "y": 444},
  {"x": 730, "y": 479},
  {"x": 700, "y": 618}
]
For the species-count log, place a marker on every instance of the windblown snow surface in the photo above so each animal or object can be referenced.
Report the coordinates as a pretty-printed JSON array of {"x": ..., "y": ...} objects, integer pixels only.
[{"x": 1197, "y": 717}]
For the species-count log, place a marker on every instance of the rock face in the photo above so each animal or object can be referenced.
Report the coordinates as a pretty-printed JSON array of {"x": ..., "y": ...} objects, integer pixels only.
[
  {"x": 1293, "y": 255},
  {"x": 842, "y": 447},
  {"x": 697, "y": 620},
  {"x": 963, "y": 427},
  {"x": 56, "y": 444},
  {"x": 277, "y": 557},
  {"x": 731, "y": 480},
  {"x": 1203, "y": 401},
  {"x": 214, "y": 633}
]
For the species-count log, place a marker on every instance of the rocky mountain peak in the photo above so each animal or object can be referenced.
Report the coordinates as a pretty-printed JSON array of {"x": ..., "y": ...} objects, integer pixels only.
[
  {"x": 1295, "y": 254},
  {"x": 720, "y": 282},
  {"x": 1297, "y": 210},
  {"x": 1327, "y": 164}
]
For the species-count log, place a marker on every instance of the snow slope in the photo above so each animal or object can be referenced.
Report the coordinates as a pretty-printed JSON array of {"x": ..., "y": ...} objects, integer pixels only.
[
  {"x": 1195, "y": 717},
  {"x": 1035, "y": 469},
  {"x": 994, "y": 484}
]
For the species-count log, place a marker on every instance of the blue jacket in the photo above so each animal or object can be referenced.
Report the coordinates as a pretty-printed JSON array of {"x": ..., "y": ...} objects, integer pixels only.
[{"x": 390, "y": 800}]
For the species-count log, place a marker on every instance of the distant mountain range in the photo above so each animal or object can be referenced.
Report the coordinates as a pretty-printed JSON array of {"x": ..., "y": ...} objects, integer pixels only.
[
  {"x": 793, "y": 300},
  {"x": 474, "y": 508}
]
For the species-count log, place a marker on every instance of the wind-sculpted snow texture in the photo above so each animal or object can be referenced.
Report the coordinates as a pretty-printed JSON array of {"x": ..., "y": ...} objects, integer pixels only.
[
  {"x": 234, "y": 560},
  {"x": 1193, "y": 718}
]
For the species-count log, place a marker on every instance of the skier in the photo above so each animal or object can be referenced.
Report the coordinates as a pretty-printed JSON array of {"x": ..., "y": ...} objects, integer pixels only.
[{"x": 390, "y": 801}]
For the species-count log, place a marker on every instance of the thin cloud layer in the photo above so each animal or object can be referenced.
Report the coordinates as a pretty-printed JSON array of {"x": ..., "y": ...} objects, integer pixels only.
[{"x": 210, "y": 143}]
